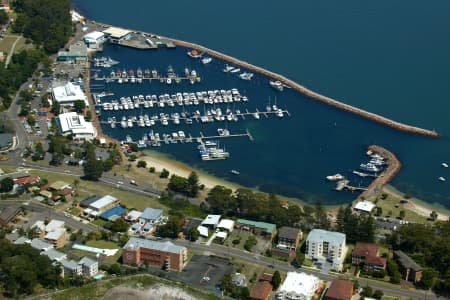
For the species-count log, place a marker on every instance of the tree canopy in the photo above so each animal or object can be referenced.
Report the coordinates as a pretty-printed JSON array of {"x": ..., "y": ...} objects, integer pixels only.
[
  {"x": 46, "y": 22},
  {"x": 22, "y": 269}
]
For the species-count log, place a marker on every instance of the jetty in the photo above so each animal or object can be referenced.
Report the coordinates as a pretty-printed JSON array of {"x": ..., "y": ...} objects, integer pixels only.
[
  {"x": 309, "y": 93},
  {"x": 394, "y": 166}
]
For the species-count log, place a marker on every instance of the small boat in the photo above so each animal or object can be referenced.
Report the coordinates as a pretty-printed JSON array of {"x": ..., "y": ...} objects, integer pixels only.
[
  {"x": 246, "y": 76},
  {"x": 235, "y": 172},
  {"x": 235, "y": 70},
  {"x": 277, "y": 85},
  {"x": 206, "y": 60},
  {"x": 335, "y": 177},
  {"x": 444, "y": 165},
  {"x": 369, "y": 167},
  {"x": 228, "y": 68},
  {"x": 194, "y": 54},
  {"x": 441, "y": 178}
]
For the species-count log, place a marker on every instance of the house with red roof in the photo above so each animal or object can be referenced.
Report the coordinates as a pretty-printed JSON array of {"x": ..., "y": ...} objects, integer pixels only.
[
  {"x": 369, "y": 255},
  {"x": 339, "y": 290},
  {"x": 261, "y": 290},
  {"x": 27, "y": 180}
]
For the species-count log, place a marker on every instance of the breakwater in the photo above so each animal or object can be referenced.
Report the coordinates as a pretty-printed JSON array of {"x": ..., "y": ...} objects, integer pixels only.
[
  {"x": 311, "y": 94},
  {"x": 394, "y": 166}
]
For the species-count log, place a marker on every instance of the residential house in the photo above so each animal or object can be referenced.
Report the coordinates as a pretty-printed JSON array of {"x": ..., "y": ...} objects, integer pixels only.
[
  {"x": 239, "y": 279},
  {"x": 369, "y": 255},
  {"x": 54, "y": 255},
  {"x": 27, "y": 180},
  {"x": 326, "y": 247},
  {"x": 211, "y": 221},
  {"x": 71, "y": 268},
  {"x": 267, "y": 230},
  {"x": 9, "y": 213},
  {"x": 54, "y": 232},
  {"x": 151, "y": 216},
  {"x": 157, "y": 254},
  {"x": 288, "y": 238},
  {"x": 40, "y": 245},
  {"x": 226, "y": 224},
  {"x": 410, "y": 270},
  {"x": 339, "y": 290},
  {"x": 89, "y": 266},
  {"x": 261, "y": 290}
]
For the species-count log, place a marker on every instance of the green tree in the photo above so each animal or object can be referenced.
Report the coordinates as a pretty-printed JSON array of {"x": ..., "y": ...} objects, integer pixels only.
[
  {"x": 56, "y": 108},
  {"x": 79, "y": 106},
  {"x": 142, "y": 164},
  {"x": 367, "y": 291},
  {"x": 429, "y": 278},
  {"x": 402, "y": 214},
  {"x": 6, "y": 185},
  {"x": 107, "y": 165},
  {"x": 115, "y": 156},
  {"x": 193, "y": 234},
  {"x": 276, "y": 280},
  {"x": 119, "y": 225},
  {"x": 193, "y": 184},
  {"x": 164, "y": 173},
  {"x": 3, "y": 17},
  {"x": 378, "y": 294},
  {"x": 39, "y": 152},
  {"x": 433, "y": 215},
  {"x": 171, "y": 229}
]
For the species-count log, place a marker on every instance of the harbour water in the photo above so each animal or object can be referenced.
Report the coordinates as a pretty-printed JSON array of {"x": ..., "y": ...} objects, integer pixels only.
[{"x": 377, "y": 56}]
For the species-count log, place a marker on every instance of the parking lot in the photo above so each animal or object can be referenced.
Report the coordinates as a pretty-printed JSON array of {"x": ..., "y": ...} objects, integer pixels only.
[{"x": 204, "y": 272}]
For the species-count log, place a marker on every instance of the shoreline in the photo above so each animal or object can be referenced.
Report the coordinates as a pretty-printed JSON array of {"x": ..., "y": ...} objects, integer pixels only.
[
  {"x": 160, "y": 161},
  {"x": 417, "y": 205}
]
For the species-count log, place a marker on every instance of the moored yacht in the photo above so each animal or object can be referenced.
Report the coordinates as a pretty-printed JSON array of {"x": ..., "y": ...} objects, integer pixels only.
[
  {"x": 206, "y": 60},
  {"x": 335, "y": 177},
  {"x": 277, "y": 85}
]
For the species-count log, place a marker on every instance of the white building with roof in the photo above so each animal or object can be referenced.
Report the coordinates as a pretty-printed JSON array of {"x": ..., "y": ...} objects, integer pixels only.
[
  {"x": 98, "y": 207},
  {"x": 365, "y": 206},
  {"x": 133, "y": 216},
  {"x": 298, "y": 286},
  {"x": 89, "y": 266},
  {"x": 67, "y": 94},
  {"x": 116, "y": 35},
  {"x": 211, "y": 221},
  {"x": 226, "y": 224},
  {"x": 94, "y": 39},
  {"x": 203, "y": 231},
  {"x": 73, "y": 124},
  {"x": 326, "y": 247},
  {"x": 40, "y": 245}
]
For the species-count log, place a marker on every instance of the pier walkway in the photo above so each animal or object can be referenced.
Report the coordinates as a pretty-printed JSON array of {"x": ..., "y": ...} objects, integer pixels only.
[{"x": 394, "y": 166}]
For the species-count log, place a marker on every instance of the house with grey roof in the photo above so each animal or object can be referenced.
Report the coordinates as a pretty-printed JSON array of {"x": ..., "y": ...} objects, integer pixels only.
[
  {"x": 411, "y": 271},
  {"x": 22, "y": 240},
  {"x": 151, "y": 216},
  {"x": 89, "y": 266},
  {"x": 54, "y": 255},
  {"x": 40, "y": 245},
  {"x": 71, "y": 268},
  {"x": 327, "y": 248}
]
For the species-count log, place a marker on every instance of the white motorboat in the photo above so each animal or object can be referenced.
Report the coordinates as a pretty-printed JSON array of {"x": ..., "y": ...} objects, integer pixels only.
[{"x": 335, "y": 177}]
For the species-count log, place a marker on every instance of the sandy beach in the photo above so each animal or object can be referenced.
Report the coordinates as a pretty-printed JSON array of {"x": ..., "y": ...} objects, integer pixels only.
[
  {"x": 418, "y": 206},
  {"x": 174, "y": 167}
]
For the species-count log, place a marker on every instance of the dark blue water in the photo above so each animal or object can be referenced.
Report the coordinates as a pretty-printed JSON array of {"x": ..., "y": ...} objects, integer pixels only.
[{"x": 386, "y": 57}]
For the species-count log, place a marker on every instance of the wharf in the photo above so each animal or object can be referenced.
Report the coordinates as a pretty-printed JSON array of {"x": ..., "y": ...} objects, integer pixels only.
[
  {"x": 311, "y": 94},
  {"x": 394, "y": 166},
  {"x": 149, "y": 79}
]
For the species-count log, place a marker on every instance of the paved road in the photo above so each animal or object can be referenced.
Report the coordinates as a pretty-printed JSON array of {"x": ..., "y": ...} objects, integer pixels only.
[
  {"x": 388, "y": 289},
  {"x": 54, "y": 214}
]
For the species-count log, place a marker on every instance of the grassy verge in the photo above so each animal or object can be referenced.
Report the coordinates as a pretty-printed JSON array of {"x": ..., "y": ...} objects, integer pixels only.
[
  {"x": 89, "y": 188},
  {"x": 392, "y": 207}
]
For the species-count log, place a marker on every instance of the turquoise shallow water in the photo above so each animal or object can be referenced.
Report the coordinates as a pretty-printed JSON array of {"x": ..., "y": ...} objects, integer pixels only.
[{"x": 390, "y": 58}]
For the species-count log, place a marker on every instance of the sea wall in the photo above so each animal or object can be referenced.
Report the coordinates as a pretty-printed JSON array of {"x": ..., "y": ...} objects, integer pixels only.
[
  {"x": 394, "y": 166},
  {"x": 311, "y": 94}
]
